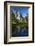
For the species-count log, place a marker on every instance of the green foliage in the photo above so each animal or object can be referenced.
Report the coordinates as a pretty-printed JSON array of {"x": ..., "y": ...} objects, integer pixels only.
[{"x": 16, "y": 22}]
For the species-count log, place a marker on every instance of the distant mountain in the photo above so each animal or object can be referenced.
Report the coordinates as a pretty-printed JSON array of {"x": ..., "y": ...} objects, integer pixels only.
[{"x": 19, "y": 16}]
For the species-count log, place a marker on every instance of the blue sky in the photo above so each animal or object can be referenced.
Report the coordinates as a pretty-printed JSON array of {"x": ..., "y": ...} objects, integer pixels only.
[{"x": 22, "y": 10}]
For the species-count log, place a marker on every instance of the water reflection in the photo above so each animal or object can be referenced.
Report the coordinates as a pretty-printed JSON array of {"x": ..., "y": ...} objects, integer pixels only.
[{"x": 19, "y": 31}]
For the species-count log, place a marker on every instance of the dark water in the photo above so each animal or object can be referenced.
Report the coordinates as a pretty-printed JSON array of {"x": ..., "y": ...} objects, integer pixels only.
[{"x": 19, "y": 31}]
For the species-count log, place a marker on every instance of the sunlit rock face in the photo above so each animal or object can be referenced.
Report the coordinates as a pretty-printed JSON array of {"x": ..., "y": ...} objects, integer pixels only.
[{"x": 18, "y": 15}]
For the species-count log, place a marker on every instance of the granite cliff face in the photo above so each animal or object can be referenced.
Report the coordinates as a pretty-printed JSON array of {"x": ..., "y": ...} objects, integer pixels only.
[{"x": 19, "y": 16}]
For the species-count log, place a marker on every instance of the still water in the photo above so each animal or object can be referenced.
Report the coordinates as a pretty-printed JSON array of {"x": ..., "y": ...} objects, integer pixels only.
[{"x": 19, "y": 31}]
